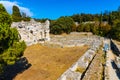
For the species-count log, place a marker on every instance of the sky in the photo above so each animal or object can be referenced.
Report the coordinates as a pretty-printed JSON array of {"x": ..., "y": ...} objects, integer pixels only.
[{"x": 53, "y": 9}]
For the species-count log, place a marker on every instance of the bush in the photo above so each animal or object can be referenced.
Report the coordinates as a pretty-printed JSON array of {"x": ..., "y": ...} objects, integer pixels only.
[
  {"x": 10, "y": 47},
  {"x": 13, "y": 53},
  {"x": 63, "y": 25}
]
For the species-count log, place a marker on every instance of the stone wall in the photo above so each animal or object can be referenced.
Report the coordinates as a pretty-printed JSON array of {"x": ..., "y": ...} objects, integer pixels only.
[
  {"x": 33, "y": 32},
  {"x": 116, "y": 49},
  {"x": 76, "y": 71}
]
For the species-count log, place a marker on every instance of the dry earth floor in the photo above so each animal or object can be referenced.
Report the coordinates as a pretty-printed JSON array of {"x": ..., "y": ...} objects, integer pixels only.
[{"x": 49, "y": 63}]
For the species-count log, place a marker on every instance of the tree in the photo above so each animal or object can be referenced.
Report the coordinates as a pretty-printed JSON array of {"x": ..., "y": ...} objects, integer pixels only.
[
  {"x": 119, "y": 9},
  {"x": 95, "y": 17},
  {"x": 80, "y": 28},
  {"x": 105, "y": 16},
  {"x": 104, "y": 29},
  {"x": 100, "y": 19},
  {"x": 110, "y": 20},
  {"x": 10, "y": 47},
  {"x": 76, "y": 18},
  {"x": 25, "y": 17},
  {"x": 5, "y": 23},
  {"x": 87, "y": 27},
  {"x": 115, "y": 32},
  {"x": 2, "y": 8},
  {"x": 56, "y": 29},
  {"x": 16, "y": 15},
  {"x": 65, "y": 24},
  {"x": 94, "y": 29}
]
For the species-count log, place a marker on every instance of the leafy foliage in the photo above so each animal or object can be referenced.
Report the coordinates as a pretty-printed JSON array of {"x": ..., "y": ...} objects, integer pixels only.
[
  {"x": 25, "y": 17},
  {"x": 13, "y": 53},
  {"x": 62, "y": 25},
  {"x": 104, "y": 24},
  {"x": 16, "y": 15},
  {"x": 2, "y": 8},
  {"x": 115, "y": 32},
  {"x": 10, "y": 47},
  {"x": 5, "y": 18}
]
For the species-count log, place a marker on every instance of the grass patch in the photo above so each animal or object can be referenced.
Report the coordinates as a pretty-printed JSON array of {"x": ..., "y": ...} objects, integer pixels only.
[
  {"x": 87, "y": 59},
  {"x": 80, "y": 69}
]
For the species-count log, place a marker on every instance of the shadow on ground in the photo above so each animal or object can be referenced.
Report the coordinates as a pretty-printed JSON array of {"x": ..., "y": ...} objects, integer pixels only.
[
  {"x": 113, "y": 65},
  {"x": 118, "y": 73},
  {"x": 12, "y": 70},
  {"x": 116, "y": 69},
  {"x": 114, "y": 48}
]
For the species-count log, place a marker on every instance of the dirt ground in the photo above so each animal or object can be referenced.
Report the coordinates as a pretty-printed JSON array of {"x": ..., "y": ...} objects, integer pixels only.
[{"x": 49, "y": 63}]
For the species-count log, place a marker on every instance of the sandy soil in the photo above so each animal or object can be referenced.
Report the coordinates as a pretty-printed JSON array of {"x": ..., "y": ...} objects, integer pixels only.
[{"x": 49, "y": 63}]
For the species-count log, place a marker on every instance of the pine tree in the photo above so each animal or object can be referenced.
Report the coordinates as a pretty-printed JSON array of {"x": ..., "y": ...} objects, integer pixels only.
[
  {"x": 16, "y": 15},
  {"x": 10, "y": 47}
]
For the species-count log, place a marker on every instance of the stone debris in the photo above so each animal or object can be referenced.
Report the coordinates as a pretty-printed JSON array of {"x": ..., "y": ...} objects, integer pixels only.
[
  {"x": 76, "y": 39},
  {"x": 33, "y": 32}
]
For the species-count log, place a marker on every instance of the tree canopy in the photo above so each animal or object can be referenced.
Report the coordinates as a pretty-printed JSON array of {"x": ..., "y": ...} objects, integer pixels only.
[
  {"x": 62, "y": 25},
  {"x": 16, "y": 15},
  {"x": 19, "y": 16},
  {"x": 103, "y": 24},
  {"x": 10, "y": 47}
]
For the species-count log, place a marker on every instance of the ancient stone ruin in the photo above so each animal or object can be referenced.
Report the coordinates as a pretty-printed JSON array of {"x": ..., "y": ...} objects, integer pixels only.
[{"x": 33, "y": 32}]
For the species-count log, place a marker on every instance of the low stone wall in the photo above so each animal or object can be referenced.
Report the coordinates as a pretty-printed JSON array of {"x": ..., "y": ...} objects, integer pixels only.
[
  {"x": 78, "y": 68},
  {"x": 60, "y": 45},
  {"x": 73, "y": 73}
]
